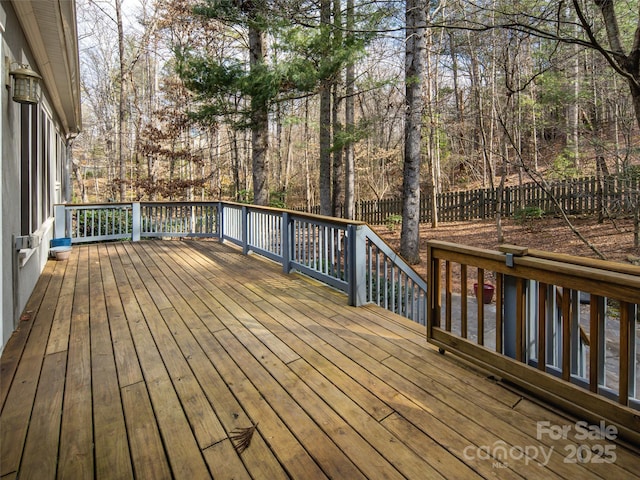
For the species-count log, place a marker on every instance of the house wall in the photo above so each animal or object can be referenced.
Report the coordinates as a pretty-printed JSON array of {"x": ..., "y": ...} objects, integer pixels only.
[{"x": 33, "y": 158}]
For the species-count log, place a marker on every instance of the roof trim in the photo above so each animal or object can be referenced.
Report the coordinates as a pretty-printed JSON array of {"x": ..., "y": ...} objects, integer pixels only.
[{"x": 51, "y": 31}]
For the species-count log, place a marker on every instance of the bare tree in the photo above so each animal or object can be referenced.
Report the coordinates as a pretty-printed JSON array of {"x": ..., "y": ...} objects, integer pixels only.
[
  {"x": 598, "y": 28},
  {"x": 325, "y": 117},
  {"x": 416, "y": 20},
  {"x": 349, "y": 112}
]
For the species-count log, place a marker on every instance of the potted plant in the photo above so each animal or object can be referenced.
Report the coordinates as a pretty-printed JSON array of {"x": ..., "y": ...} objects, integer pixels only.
[{"x": 487, "y": 292}]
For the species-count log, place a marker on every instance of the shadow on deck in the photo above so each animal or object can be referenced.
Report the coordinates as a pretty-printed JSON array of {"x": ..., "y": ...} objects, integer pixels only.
[{"x": 146, "y": 360}]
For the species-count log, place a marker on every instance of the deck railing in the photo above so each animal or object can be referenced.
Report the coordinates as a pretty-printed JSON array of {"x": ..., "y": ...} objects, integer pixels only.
[
  {"x": 563, "y": 327},
  {"x": 347, "y": 255}
]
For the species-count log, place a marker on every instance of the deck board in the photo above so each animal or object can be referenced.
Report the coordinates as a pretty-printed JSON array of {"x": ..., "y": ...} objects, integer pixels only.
[
  {"x": 16, "y": 411},
  {"x": 142, "y": 360}
]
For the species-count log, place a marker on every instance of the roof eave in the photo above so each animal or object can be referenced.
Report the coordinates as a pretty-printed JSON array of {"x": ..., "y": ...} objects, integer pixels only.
[{"x": 52, "y": 35}]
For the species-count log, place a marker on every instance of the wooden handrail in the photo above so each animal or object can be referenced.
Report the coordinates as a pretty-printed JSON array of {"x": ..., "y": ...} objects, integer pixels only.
[{"x": 539, "y": 341}]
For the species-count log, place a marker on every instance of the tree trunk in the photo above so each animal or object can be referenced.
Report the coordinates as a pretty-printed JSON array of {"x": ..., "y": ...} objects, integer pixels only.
[
  {"x": 349, "y": 113},
  {"x": 259, "y": 124},
  {"x": 337, "y": 197},
  {"x": 434, "y": 129},
  {"x": 416, "y": 19},
  {"x": 121, "y": 100},
  {"x": 325, "y": 119},
  {"x": 636, "y": 224},
  {"x": 325, "y": 150},
  {"x": 75, "y": 167},
  {"x": 307, "y": 173},
  {"x": 574, "y": 109},
  {"x": 634, "y": 88},
  {"x": 235, "y": 162}
]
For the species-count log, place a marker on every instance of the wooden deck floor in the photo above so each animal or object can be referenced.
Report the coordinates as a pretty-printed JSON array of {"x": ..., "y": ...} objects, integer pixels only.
[{"x": 142, "y": 360}]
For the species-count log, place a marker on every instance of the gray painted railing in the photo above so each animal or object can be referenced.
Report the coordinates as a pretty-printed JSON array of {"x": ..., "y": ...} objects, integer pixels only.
[{"x": 346, "y": 255}]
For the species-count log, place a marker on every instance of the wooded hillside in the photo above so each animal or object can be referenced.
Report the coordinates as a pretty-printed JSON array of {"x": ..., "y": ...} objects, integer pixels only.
[{"x": 173, "y": 92}]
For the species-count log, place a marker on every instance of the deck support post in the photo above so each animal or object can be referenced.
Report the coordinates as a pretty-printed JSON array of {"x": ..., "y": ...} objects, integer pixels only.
[
  {"x": 220, "y": 226},
  {"x": 135, "y": 222},
  {"x": 285, "y": 242},
  {"x": 245, "y": 230},
  {"x": 511, "y": 315},
  {"x": 60, "y": 221},
  {"x": 356, "y": 259},
  {"x": 513, "y": 312}
]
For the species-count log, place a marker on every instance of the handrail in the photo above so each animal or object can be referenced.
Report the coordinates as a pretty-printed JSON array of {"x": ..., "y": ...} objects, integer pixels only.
[
  {"x": 392, "y": 283},
  {"x": 344, "y": 254},
  {"x": 536, "y": 334}
]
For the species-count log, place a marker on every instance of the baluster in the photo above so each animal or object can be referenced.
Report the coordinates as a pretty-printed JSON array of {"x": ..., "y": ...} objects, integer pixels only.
[
  {"x": 480, "y": 300},
  {"x": 448, "y": 287},
  {"x": 566, "y": 334},
  {"x": 596, "y": 342},
  {"x": 463, "y": 300},
  {"x": 542, "y": 325},
  {"x": 625, "y": 334}
]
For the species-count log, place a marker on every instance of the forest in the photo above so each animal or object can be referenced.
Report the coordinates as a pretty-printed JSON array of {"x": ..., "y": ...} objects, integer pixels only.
[{"x": 303, "y": 103}]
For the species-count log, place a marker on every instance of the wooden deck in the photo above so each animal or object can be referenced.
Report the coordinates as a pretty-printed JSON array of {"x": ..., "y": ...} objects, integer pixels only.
[{"x": 145, "y": 359}]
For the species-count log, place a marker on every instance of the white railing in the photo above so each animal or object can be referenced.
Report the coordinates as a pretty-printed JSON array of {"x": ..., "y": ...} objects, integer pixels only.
[{"x": 347, "y": 255}]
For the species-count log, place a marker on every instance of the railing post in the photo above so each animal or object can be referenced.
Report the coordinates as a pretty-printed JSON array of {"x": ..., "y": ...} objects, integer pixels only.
[
  {"x": 511, "y": 304},
  {"x": 357, "y": 261},
  {"x": 220, "y": 222},
  {"x": 633, "y": 316},
  {"x": 60, "y": 221},
  {"x": 245, "y": 230},
  {"x": 285, "y": 242},
  {"x": 136, "y": 221}
]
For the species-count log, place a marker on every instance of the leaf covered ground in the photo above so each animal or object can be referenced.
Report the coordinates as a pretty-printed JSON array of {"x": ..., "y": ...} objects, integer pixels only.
[{"x": 614, "y": 238}]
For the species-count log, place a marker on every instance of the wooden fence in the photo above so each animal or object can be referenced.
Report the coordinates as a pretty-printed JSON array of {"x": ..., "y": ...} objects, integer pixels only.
[{"x": 605, "y": 196}]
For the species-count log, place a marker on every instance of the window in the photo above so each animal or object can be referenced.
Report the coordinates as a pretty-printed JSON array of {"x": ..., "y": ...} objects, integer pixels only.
[
  {"x": 39, "y": 151},
  {"x": 25, "y": 169}
]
